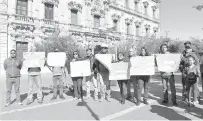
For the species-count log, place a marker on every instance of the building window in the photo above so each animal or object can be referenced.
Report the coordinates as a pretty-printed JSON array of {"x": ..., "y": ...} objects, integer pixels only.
[
  {"x": 96, "y": 21},
  {"x": 115, "y": 22},
  {"x": 49, "y": 11},
  {"x": 22, "y": 7},
  {"x": 137, "y": 31},
  {"x": 74, "y": 17},
  {"x": 128, "y": 28},
  {"x": 126, "y": 4},
  {"x": 136, "y": 6},
  {"x": 147, "y": 32},
  {"x": 146, "y": 10},
  {"x": 154, "y": 13}
]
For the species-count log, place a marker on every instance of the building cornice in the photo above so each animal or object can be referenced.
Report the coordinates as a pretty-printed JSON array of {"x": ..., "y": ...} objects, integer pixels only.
[
  {"x": 54, "y": 2},
  {"x": 75, "y": 6}
]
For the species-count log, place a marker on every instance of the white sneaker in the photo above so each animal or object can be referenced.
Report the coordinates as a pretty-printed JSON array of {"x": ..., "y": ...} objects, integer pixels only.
[
  {"x": 75, "y": 98},
  {"x": 195, "y": 102},
  {"x": 20, "y": 103},
  {"x": 7, "y": 104}
]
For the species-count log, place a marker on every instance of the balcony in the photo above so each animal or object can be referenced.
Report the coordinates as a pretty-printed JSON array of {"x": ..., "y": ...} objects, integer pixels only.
[
  {"x": 49, "y": 23},
  {"x": 20, "y": 19}
]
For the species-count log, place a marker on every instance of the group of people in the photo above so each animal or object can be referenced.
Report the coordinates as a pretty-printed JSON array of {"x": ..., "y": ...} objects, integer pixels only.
[{"x": 189, "y": 66}]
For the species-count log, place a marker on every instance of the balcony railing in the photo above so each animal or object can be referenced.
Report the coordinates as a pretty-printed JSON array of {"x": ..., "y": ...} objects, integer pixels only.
[
  {"x": 50, "y": 23},
  {"x": 22, "y": 19}
]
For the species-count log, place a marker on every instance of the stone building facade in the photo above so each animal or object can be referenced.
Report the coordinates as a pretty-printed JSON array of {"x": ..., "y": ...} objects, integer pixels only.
[{"x": 24, "y": 22}]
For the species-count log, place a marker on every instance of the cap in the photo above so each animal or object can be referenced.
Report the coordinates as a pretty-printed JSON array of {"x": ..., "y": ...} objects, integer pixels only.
[
  {"x": 187, "y": 43},
  {"x": 104, "y": 46},
  {"x": 56, "y": 50}
]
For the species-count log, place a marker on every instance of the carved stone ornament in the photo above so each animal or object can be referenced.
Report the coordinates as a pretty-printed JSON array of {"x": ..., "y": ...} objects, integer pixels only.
[
  {"x": 75, "y": 6},
  {"x": 147, "y": 27},
  {"x": 155, "y": 29},
  {"x": 47, "y": 30},
  {"x": 23, "y": 27},
  {"x": 136, "y": 1},
  {"x": 88, "y": 2},
  {"x": 138, "y": 23},
  {"x": 54, "y": 2},
  {"x": 106, "y": 2},
  {"x": 116, "y": 17},
  {"x": 154, "y": 8},
  {"x": 128, "y": 21},
  {"x": 97, "y": 11},
  {"x": 146, "y": 4}
]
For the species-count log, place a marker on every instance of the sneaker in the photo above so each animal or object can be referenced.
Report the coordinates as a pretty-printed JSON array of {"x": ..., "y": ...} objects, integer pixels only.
[
  {"x": 183, "y": 98},
  {"x": 164, "y": 102},
  {"x": 145, "y": 102},
  {"x": 80, "y": 100},
  {"x": 29, "y": 102},
  {"x": 175, "y": 103},
  {"x": 137, "y": 103},
  {"x": 62, "y": 97},
  {"x": 96, "y": 98},
  {"x": 7, "y": 104},
  {"x": 40, "y": 101},
  {"x": 195, "y": 102},
  {"x": 101, "y": 100},
  {"x": 108, "y": 99},
  {"x": 53, "y": 98},
  {"x": 129, "y": 98},
  {"x": 135, "y": 100},
  {"x": 75, "y": 98}
]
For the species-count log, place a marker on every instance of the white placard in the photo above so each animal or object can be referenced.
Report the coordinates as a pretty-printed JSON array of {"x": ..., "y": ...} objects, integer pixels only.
[
  {"x": 119, "y": 71},
  {"x": 105, "y": 59},
  {"x": 56, "y": 59},
  {"x": 33, "y": 59},
  {"x": 80, "y": 68}
]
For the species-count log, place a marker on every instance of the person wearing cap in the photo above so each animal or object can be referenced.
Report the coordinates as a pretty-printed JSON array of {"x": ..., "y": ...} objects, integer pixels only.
[
  {"x": 89, "y": 56},
  {"x": 57, "y": 77},
  {"x": 132, "y": 80},
  {"x": 184, "y": 63},
  {"x": 103, "y": 75},
  {"x": 167, "y": 78}
]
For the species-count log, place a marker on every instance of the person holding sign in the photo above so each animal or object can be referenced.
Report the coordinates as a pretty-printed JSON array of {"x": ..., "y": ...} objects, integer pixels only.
[
  {"x": 57, "y": 77},
  {"x": 143, "y": 81},
  {"x": 168, "y": 78},
  {"x": 103, "y": 74},
  {"x": 12, "y": 67},
  {"x": 34, "y": 76},
  {"x": 191, "y": 72},
  {"x": 77, "y": 81},
  {"x": 90, "y": 57},
  {"x": 122, "y": 83}
]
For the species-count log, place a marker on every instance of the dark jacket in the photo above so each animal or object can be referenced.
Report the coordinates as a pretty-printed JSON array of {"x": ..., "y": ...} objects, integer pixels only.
[{"x": 13, "y": 67}]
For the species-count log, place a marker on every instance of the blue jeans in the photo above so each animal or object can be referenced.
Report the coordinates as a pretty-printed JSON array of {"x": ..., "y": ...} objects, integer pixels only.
[{"x": 58, "y": 78}]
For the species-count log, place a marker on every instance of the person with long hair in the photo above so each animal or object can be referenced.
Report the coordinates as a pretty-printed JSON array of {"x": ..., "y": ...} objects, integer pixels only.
[
  {"x": 143, "y": 81},
  {"x": 122, "y": 83},
  {"x": 167, "y": 78}
]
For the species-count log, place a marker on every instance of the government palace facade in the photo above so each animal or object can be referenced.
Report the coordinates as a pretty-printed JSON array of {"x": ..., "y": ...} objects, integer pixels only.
[{"x": 24, "y": 22}]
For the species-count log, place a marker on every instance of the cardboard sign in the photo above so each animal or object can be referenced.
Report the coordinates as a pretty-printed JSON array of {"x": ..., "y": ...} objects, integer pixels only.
[
  {"x": 33, "y": 59},
  {"x": 168, "y": 62},
  {"x": 105, "y": 59},
  {"x": 80, "y": 68},
  {"x": 119, "y": 71},
  {"x": 142, "y": 65},
  {"x": 57, "y": 59}
]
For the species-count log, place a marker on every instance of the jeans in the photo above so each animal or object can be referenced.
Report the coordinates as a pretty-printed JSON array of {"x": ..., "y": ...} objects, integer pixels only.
[
  {"x": 143, "y": 82},
  {"x": 171, "y": 80},
  {"x": 129, "y": 83},
  {"x": 38, "y": 82},
  {"x": 58, "y": 78},
  {"x": 98, "y": 85},
  {"x": 192, "y": 88},
  {"x": 105, "y": 78},
  {"x": 77, "y": 83},
  {"x": 123, "y": 87},
  {"x": 88, "y": 81},
  {"x": 9, "y": 83},
  {"x": 184, "y": 85},
  {"x": 135, "y": 85}
]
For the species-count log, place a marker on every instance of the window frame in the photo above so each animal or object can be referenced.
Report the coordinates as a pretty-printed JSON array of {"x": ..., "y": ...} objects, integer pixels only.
[
  {"x": 76, "y": 16},
  {"x": 95, "y": 16},
  {"x": 48, "y": 18},
  {"x": 20, "y": 10}
]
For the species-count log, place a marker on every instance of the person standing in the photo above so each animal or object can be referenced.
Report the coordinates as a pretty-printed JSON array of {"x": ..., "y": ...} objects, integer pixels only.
[
  {"x": 168, "y": 78},
  {"x": 122, "y": 83},
  {"x": 34, "y": 76},
  {"x": 57, "y": 77},
  {"x": 103, "y": 74},
  {"x": 89, "y": 56},
  {"x": 184, "y": 63},
  {"x": 77, "y": 81},
  {"x": 132, "y": 80},
  {"x": 143, "y": 81},
  {"x": 12, "y": 66}
]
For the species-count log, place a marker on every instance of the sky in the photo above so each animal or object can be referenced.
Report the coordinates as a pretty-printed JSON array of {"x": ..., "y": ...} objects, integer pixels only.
[{"x": 180, "y": 20}]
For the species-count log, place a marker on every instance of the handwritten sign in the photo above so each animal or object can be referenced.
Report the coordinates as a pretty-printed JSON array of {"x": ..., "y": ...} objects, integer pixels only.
[
  {"x": 142, "y": 65},
  {"x": 168, "y": 62},
  {"x": 105, "y": 59},
  {"x": 80, "y": 68},
  {"x": 57, "y": 59},
  {"x": 119, "y": 71},
  {"x": 33, "y": 59}
]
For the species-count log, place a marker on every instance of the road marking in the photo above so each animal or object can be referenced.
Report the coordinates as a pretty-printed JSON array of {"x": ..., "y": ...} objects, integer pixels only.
[
  {"x": 123, "y": 112},
  {"x": 34, "y": 107}
]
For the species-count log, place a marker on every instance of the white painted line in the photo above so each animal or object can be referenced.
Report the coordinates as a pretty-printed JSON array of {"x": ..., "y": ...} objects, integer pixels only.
[
  {"x": 123, "y": 112},
  {"x": 34, "y": 107}
]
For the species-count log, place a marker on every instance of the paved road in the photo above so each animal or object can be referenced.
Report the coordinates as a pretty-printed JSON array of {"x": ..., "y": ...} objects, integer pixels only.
[{"x": 93, "y": 110}]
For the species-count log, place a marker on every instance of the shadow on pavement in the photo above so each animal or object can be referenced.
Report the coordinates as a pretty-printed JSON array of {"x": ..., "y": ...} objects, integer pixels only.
[
  {"x": 167, "y": 113},
  {"x": 195, "y": 111},
  {"x": 90, "y": 110}
]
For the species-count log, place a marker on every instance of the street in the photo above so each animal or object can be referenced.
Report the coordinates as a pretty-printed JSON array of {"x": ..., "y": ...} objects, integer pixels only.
[{"x": 70, "y": 109}]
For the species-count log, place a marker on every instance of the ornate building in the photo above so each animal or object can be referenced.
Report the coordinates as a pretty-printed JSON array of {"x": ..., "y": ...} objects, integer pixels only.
[{"x": 24, "y": 22}]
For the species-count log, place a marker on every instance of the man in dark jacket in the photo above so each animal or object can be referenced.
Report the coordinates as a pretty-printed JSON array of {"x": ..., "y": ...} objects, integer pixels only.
[{"x": 12, "y": 67}]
